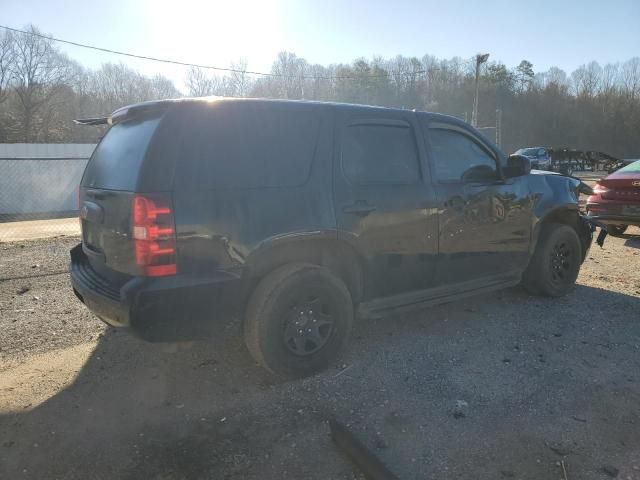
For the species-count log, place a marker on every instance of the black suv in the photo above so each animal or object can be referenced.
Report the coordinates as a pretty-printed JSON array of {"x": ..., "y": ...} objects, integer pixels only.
[{"x": 299, "y": 215}]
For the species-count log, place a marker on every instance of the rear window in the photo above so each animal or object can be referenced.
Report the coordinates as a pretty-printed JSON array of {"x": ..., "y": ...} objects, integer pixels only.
[
  {"x": 231, "y": 147},
  {"x": 631, "y": 168},
  {"x": 117, "y": 160}
]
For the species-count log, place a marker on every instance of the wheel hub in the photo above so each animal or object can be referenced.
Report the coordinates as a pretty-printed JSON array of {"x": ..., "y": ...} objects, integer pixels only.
[
  {"x": 308, "y": 327},
  {"x": 560, "y": 262}
]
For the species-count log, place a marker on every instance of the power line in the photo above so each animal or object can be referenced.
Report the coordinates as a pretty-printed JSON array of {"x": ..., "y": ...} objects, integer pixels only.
[
  {"x": 210, "y": 67},
  {"x": 133, "y": 55}
]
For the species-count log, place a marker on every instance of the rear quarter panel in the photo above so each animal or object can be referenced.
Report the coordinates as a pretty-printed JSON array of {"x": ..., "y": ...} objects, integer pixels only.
[{"x": 226, "y": 228}]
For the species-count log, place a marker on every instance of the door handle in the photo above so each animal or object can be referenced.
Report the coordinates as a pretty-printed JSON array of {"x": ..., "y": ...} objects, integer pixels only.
[{"x": 359, "y": 208}]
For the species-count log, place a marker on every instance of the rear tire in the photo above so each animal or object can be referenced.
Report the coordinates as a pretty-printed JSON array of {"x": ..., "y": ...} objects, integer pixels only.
[
  {"x": 555, "y": 264},
  {"x": 616, "y": 230},
  {"x": 298, "y": 320}
]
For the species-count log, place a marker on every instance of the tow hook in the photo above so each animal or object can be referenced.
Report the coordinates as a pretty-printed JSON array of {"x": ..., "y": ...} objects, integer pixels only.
[{"x": 590, "y": 226}]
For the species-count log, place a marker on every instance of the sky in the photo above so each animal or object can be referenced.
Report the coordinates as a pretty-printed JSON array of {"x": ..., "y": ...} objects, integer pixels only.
[{"x": 563, "y": 33}]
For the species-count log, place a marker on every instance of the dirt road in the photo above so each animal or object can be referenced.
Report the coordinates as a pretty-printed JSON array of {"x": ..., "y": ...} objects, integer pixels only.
[
  {"x": 502, "y": 386},
  {"x": 35, "y": 229}
]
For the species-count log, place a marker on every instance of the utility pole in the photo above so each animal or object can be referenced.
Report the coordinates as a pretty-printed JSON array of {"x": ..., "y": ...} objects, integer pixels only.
[
  {"x": 480, "y": 59},
  {"x": 499, "y": 127}
]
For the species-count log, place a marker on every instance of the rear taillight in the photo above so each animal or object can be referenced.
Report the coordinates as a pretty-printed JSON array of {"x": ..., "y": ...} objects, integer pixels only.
[
  {"x": 154, "y": 235},
  {"x": 599, "y": 189}
]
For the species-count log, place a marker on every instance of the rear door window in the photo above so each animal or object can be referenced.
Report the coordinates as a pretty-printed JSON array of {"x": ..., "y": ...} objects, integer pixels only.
[
  {"x": 380, "y": 154},
  {"x": 231, "y": 147},
  {"x": 117, "y": 160}
]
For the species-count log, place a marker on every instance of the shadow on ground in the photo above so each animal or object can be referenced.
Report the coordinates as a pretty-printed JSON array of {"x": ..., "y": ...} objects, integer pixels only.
[
  {"x": 505, "y": 386},
  {"x": 633, "y": 241}
]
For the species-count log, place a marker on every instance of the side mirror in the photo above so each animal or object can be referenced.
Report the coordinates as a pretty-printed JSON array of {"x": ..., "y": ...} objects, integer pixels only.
[{"x": 517, "y": 166}]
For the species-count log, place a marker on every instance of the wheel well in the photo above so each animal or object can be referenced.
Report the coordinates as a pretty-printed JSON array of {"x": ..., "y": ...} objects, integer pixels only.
[
  {"x": 561, "y": 215},
  {"x": 339, "y": 257},
  {"x": 565, "y": 216}
]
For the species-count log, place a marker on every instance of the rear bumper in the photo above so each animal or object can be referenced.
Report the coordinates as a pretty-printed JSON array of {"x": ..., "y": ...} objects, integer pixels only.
[
  {"x": 611, "y": 213},
  {"x": 172, "y": 308},
  {"x": 617, "y": 220}
]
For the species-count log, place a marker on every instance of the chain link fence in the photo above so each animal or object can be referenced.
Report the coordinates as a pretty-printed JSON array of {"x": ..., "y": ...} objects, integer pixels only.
[{"x": 38, "y": 190}]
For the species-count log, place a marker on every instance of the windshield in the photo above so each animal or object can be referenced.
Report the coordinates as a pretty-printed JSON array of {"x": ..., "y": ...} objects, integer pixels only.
[{"x": 528, "y": 151}]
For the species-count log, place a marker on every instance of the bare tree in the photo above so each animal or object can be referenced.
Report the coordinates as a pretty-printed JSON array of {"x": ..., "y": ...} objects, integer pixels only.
[
  {"x": 586, "y": 79},
  {"x": 199, "y": 84},
  {"x": 556, "y": 76},
  {"x": 631, "y": 77},
  {"x": 290, "y": 70},
  {"x": 609, "y": 79},
  {"x": 398, "y": 69},
  {"x": 239, "y": 80},
  {"x": 7, "y": 55},
  {"x": 319, "y": 86},
  {"x": 115, "y": 85},
  {"x": 39, "y": 72},
  {"x": 162, "y": 87},
  {"x": 592, "y": 108}
]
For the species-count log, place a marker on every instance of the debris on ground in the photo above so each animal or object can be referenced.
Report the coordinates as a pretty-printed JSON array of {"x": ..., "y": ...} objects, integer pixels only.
[
  {"x": 560, "y": 449},
  {"x": 366, "y": 461},
  {"x": 457, "y": 414}
]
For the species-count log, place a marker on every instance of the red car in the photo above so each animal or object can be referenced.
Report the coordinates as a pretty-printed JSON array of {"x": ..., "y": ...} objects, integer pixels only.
[{"x": 616, "y": 199}]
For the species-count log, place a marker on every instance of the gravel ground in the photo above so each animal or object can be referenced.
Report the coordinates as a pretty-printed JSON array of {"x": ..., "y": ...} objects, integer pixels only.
[
  {"x": 502, "y": 386},
  {"x": 38, "y": 310}
]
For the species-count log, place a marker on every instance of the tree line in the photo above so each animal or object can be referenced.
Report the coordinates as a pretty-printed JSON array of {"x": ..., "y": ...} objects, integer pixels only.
[{"x": 592, "y": 108}]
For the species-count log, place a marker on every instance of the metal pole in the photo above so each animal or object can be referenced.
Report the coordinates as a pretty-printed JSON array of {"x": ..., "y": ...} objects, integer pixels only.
[
  {"x": 480, "y": 59},
  {"x": 474, "y": 112},
  {"x": 499, "y": 128}
]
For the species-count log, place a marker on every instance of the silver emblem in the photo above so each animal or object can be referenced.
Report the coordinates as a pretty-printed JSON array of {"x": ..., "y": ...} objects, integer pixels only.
[
  {"x": 636, "y": 183},
  {"x": 84, "y": 211}
]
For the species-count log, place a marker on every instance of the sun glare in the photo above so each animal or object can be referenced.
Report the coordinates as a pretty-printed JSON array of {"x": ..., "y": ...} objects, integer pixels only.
[{"x": 216, "y": 33}]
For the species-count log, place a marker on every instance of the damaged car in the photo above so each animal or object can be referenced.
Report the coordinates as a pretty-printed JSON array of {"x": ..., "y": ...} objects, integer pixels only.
[
  {"x": 297, "y": 216},
  {"x": 615, "y": 200}
]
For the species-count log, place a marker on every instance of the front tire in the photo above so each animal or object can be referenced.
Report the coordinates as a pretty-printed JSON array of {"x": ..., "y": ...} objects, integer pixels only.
[
  {"x": 555, "y": 264},
  {"x": 298, "y": 320}
]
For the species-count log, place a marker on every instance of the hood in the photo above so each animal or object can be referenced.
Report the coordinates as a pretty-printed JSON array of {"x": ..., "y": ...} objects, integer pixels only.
[{"x": 572, "y": 182}]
